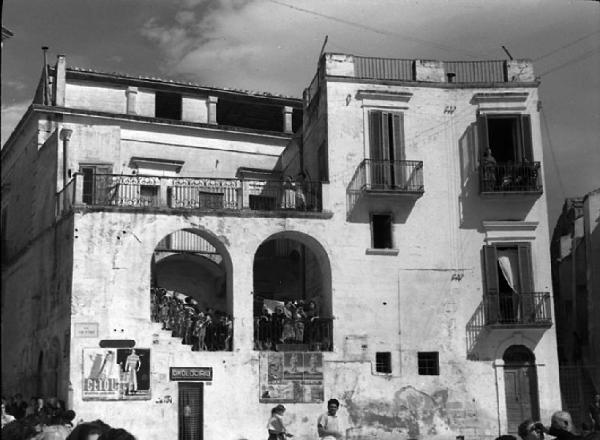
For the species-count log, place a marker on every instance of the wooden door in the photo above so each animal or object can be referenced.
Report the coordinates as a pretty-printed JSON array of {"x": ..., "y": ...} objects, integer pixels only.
[{"x": 520, "y": 385}]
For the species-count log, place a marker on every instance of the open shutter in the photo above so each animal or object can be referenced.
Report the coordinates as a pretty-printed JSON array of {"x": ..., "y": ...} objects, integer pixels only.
[
  {"x": 491, "y": 299},
  {"x": 527, "y": 296},
  {"x": 482, "y": 131},
  {"x": 527, "y": 152},
  {"x": 102, "y": 180},
  {"x": 386, "y": 149},
  {"x": 525, "y": 268}
]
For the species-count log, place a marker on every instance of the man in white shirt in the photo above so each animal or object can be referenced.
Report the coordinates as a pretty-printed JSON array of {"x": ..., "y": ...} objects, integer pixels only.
[{"x": 328, "y": 424}]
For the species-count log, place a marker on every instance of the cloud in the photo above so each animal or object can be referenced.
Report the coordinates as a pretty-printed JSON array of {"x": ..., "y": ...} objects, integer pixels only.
[{"x": 11, "y": 115}]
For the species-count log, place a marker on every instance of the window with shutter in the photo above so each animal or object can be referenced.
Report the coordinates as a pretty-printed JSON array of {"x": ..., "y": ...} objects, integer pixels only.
[
  {"x": 96, "y": 183},
  {"x": 386, "y": 149},
  {"x": 507, "y": 136}
]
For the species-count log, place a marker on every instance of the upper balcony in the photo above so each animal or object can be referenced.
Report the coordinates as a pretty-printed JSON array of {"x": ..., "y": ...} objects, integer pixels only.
[
  {"x": 397, "y": 178},
  {"x": 510, "y": 179},
  {"x": 188, "y": 193}
]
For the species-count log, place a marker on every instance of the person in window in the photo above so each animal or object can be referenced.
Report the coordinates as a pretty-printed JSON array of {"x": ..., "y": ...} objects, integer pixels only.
[
  {"x": 300, "y": 189},
  {"x": 489, "y": 170}
]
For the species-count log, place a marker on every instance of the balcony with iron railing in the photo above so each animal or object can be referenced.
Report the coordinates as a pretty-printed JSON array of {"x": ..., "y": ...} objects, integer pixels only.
[
  {"x": 188, "y": 193},
  {"x": 497, "y": 311},
  {"x": 402, "y": 178},
  {"x": 510, "y": 179}
]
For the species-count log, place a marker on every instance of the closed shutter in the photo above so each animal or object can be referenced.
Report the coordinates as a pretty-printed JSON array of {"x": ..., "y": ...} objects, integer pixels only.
[
  {"x": 525, "y": 268},
  {"x": 375, "y": 150},
  {"x": 527, "y": 153},
  {"x": 527, "y": 298},
  {"x": 399, "y": 170},
  {"x": 102, "y": 182}
]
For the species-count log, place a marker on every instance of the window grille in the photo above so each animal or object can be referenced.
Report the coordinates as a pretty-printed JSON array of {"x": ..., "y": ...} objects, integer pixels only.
[{"x": 383, "y": 362}]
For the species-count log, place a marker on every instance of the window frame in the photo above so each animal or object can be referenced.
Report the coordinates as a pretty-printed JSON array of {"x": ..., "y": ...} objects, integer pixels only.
[
  {"x": 523, "y": 145},
  {"x": 95, "y": 166},
  {"x": 425, "y": 369},
  {"x": 391, "y": 230},
  {"x": 385, "y": 366}
]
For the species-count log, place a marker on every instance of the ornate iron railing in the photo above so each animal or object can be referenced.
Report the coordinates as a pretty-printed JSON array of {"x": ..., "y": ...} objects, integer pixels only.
[
  {"x": 529, "y": 308},
  {"x": 279, "y": 333},
  {"x": 510, "y": 178},
  {"x": 192, "y": 193}
]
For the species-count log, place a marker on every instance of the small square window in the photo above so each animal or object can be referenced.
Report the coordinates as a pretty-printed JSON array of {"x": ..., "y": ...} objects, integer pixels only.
[
  {"x": 383, "y": 362},
  {"x": 429, "y": 363},
  {"x": 381, "y": 231},
  {"x": 167, "y": 105}
]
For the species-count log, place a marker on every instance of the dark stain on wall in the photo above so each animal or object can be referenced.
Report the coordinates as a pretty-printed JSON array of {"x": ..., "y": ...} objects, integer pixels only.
[{"x": 410, "y": 411}]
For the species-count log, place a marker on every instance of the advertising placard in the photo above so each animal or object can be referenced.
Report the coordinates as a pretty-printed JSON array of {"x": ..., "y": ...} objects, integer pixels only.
[
  {"x": 116, "y": 374},
  {"x": 292, "y": 377},
  {"x": 190, "y": 373}
]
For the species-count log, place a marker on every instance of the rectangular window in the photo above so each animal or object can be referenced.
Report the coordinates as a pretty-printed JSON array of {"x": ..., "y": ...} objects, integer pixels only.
[
  {"x": 386, "y": 149},
  {"x": 261, "y": 203},
  {"x": 96, "y": 183},
  {"x": 429, "y": 363},
  {"x": 167, "y": 105},
  {"x": 383, "y": 362},
  {"x": 381, "y": 231}
]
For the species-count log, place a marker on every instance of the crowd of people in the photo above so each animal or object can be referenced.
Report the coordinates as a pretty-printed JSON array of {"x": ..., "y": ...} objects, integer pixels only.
[
  {"x": 48, "y": 419},
  {"x": 208, "y": 330},
  {"x": 290, "y": 322}
]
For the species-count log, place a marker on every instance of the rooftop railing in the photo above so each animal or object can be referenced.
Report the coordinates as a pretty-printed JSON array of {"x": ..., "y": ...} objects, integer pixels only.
[
  {"x": 519, "y": 178},
  {"x": 137, "y": 191}
]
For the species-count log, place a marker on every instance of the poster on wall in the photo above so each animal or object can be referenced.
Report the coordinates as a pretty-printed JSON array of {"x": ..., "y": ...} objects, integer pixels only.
[
  {"x": 292, "y": 377},
  {"x": 116, "y": 374}
]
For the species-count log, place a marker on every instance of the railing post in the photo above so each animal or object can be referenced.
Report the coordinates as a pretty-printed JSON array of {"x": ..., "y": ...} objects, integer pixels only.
[{"x": 162, "y": 191}]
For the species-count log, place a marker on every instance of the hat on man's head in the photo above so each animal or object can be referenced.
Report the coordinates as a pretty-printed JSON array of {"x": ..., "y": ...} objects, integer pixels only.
[{"x": 279, "y": 408}]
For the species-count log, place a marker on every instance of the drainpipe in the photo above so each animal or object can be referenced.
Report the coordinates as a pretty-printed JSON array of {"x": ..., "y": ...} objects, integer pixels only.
[{"x": 65, "y": 137}]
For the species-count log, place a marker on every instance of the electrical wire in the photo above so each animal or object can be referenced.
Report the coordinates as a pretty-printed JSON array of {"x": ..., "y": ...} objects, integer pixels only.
[
  {"x": 376, "y": 30},
  {"x": 559, "y": 177},
  {"x": 572, "y": 61},
  {"x": 572, "y": 43}
]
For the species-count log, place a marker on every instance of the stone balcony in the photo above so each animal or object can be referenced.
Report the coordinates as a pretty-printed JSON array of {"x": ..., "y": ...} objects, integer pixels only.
[{"x": 146, "y": 193}]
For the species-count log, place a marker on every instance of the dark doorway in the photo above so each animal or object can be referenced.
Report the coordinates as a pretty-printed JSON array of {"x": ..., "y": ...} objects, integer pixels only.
[
  {"x": 520, "y": 385},
  {"x": 191, "y": 403}
]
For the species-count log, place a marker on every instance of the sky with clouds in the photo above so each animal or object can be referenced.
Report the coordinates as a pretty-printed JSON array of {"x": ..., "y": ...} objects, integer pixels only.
[{"x": 273, "y": 45}]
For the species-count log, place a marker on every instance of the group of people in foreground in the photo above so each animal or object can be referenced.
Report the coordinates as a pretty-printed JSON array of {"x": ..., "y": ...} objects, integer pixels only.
[
  {"x": 48, "y": 420},
  {"x": 561, "y": 428}
]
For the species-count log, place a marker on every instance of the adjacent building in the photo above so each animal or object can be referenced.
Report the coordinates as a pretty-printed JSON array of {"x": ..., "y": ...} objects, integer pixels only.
[
  {"x": 575, "y": 251},
  {"x": 179, "y": 258}
]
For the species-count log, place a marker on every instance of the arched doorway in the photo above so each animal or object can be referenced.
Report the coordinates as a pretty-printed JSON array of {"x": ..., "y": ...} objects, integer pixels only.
[
  {"x": 520, "y": 385},
  {"x": 292, "y": 294},
  {"x": 191, "y": 293}
]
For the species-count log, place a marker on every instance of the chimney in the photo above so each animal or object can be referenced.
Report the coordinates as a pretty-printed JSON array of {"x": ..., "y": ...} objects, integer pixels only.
[{"x": 60, "y": 81}]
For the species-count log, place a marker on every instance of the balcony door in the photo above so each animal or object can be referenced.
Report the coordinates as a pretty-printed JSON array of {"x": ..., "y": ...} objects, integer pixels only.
[
  {"x": 520, "y": 386},
  {"x": 96, "y": 183},
  {"x": 509, "y": 283},
  {"x": 386, "y": 149}
]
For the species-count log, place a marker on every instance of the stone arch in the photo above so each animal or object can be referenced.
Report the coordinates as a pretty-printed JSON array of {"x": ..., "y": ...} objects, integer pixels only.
[
  {"x": 282, "y": 286},
  {"x": 194, "y": 266}
]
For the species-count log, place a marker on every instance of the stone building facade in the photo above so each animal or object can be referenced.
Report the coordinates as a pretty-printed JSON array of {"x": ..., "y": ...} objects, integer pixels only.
[
  {"x": 575, "y": 251},
  {"x": 383, "y": 241}
]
